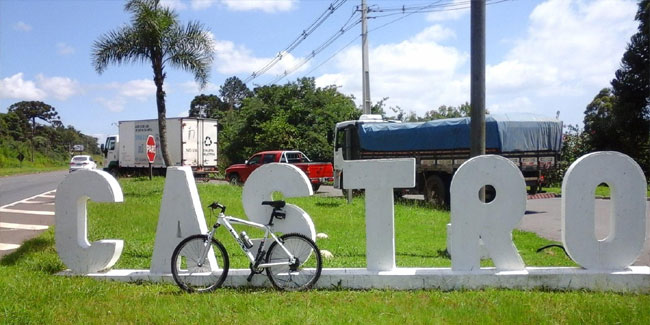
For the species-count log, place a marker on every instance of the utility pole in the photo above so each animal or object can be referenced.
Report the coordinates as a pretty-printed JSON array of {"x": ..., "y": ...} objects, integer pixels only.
[
  {"x": 477, "y": 84},
  {"x": 364, "y": 58}
]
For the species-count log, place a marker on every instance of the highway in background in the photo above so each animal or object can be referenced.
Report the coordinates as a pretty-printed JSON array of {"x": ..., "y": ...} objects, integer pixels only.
[
  {"x": 26, "y": 207},
  {"x": 16, "y": 188}
]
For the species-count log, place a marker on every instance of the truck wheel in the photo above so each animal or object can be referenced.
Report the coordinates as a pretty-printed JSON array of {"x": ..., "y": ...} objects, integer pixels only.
[
  {"x": 435, "y": 191},
  {"x": 315, "y": 187},
  {"x": 234, "y": 179}
]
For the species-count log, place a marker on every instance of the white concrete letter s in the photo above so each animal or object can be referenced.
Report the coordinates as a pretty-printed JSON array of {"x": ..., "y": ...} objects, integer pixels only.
[
  {"x": 288, "y": 180},
  {"x": 71, "y": 221}
]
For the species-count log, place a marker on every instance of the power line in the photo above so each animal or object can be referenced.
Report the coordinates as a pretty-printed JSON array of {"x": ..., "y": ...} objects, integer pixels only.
[
  {"x": 449, "y": 5},
  {"x": 404, "y": 10},
  {"x": 316, "y": 51},
  {"x": 305, "y": 33},
  {"x": 433, "y": 7},
  {"x": 333, "y": 55}
]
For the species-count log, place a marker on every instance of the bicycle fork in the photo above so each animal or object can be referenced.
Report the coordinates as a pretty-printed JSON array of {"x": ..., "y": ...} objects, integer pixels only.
[{"x": 206, "y": 247}]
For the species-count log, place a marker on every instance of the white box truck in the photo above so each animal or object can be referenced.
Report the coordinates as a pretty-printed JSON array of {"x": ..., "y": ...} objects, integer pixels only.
[{"x": 190, "y": 142}]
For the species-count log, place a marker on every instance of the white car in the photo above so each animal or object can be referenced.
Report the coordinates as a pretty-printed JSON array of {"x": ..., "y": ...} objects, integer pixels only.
[{"x": 82, "y": 162}]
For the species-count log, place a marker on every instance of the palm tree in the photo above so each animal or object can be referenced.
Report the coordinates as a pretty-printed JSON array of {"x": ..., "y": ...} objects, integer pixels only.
[{"x": 155, "y": 35}]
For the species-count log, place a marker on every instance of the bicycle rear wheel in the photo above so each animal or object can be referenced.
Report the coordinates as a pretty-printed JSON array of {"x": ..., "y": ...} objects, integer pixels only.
[
  {"x": 192, "y": 276},
  {"x": 303, "y": 274}
]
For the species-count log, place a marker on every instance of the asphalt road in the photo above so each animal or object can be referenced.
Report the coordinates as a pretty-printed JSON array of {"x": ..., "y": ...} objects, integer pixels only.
[
  {"x": 543, "y": 217},
  {"x": 22, "y": 219},
  {"x": 16, "y": 188}
]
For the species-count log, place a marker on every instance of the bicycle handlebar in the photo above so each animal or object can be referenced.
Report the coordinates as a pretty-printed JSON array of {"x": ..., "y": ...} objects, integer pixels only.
[{"x": 216, "y": 205}]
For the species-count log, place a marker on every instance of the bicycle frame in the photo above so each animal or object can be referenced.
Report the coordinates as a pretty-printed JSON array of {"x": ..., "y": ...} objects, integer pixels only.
[{"x": 227, "y": 222}]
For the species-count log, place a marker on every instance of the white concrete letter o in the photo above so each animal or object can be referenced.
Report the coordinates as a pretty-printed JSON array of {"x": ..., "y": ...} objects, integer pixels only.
[{"x": 628, "y": 216}]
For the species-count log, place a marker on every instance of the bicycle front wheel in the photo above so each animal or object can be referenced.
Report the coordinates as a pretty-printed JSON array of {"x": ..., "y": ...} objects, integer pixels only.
[
  {"x": 300, "y": 275},
  {"x": 193, "y": 271}
]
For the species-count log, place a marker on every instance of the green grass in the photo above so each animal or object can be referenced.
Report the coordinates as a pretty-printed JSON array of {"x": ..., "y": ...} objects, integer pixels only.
[
  {"x": 29, "y": 170},
  {"x": 30, "y": 293},
  {"x": 601, "y": 191}
]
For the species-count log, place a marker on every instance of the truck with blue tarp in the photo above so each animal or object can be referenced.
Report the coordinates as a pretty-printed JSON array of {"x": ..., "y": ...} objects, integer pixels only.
[{"x": 532, "y": 142}]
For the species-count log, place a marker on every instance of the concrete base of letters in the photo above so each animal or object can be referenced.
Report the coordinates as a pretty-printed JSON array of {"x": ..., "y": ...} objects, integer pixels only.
[{"x": 635, "y": 279}]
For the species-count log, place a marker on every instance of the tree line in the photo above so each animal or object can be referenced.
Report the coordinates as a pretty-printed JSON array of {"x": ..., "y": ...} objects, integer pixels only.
[
  {"x": 618, "y": 118},
  {"x": 33, "y": 131},
  {"x": 299, "y": 115}
]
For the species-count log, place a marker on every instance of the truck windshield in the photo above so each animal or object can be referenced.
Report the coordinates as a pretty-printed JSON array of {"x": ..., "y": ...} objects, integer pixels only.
[
  {"x": 340, "y": 138},
  {"x": 110, "y": 144}
]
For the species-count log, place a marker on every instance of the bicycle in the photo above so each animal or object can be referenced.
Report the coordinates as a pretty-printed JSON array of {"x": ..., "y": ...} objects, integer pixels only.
[{"x": 293, "y": 261}]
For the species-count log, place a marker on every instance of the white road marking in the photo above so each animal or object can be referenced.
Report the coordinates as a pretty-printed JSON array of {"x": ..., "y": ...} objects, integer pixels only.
[
  {"x": 9, "y": 225},
  {"x": 27, "y": 199},
  {"x": 41, "y": 213},
  {"x": 22, "y": 226},
  {"x": 38, "y": 202},
  {"x": 6, "y": 247}
]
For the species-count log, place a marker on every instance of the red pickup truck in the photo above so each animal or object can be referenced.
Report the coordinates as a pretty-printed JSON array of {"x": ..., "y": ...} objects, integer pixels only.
[{"x": 317, "y": 172}]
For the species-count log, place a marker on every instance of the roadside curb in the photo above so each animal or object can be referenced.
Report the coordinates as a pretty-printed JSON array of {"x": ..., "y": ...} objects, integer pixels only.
[
  {"x": 554, "y": 195},
  {"x": 543, "y": 196}
]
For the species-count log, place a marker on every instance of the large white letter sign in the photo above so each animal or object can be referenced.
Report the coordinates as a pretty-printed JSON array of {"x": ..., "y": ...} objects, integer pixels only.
[
  {"x": 71, "y": 221},
  {"x": 627, "y": 220},
  {"x": 379, "y": 177},
  {"x": 492, "y": 222},
  {"x": 288, "y": 180},
  {"x": 181, "y": 215}
]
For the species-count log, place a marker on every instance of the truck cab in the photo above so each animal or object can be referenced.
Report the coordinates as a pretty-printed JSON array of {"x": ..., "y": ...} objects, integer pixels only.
[
  {"x": 346, "y": 143},
  {"x": 110, "y": 149}
]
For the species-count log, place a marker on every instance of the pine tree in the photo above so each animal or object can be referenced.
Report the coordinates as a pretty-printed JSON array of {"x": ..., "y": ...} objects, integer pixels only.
[{"x": 631, "y": 87}]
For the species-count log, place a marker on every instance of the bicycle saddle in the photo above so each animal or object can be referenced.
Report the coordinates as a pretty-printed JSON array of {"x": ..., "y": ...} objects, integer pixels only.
[{"x": 275, "y": 204}]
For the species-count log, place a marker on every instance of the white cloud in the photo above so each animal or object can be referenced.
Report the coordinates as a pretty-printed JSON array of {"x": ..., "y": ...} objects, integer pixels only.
[
  {"x": 269, "y": 6},
  {"x": 22, "y": 26},
  {"x": 202, "y": 4},
  {"x": 173, "y": 4},
  {"x": 417, "y": 74},
  {"x": 60, "y": 88},
  {"x": 516, "y": 104},
  {"x": 115, "y": 104},
  {"x": 15, "y": 87},
  {"x": 192, "y": 87},
  {"x": 141, "y": 90},
  {"x": 435, "y": 33},
  {"x": 120, "y": 93},
  {"x": 449, "y": 11},
  {"x": 233, "y": 59},
  {"x": 64, "y": 49},
  {"x": 571, "y": 50}
]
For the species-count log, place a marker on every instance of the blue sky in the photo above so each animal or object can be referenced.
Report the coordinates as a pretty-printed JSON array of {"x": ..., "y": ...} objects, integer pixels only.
[{"x": 542, "y": 56}]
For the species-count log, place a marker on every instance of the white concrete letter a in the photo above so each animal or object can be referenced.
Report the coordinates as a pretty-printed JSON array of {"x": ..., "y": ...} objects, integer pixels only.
[{"x": 181, "y": 215}]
